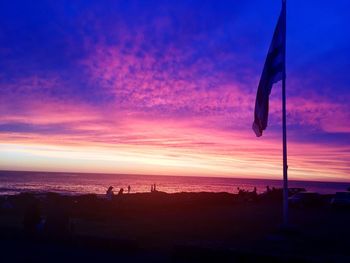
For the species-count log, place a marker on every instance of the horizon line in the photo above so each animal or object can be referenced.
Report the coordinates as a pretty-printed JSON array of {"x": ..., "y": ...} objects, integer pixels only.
[{"x": 165, "y": 175}]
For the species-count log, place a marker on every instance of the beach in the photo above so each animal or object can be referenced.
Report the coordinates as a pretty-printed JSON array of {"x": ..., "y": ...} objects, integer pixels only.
[
  {"x": 174, "y": 131},
  {"x": 178, "y": 227}
]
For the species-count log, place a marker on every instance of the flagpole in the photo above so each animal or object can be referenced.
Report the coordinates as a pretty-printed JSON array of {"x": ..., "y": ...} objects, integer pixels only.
[{"x": 285, "y": 165}]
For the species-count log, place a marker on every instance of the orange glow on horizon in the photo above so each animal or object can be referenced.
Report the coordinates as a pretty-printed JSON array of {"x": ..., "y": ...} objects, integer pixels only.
[{"x": 139, "y": 146}]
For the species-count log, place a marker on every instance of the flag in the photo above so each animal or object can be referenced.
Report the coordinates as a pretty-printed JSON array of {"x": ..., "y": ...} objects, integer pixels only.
[{"x": 273, "y": 72}]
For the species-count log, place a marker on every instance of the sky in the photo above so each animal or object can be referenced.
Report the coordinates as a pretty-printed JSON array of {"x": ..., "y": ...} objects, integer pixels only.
[{"x": 168, "y": 87}]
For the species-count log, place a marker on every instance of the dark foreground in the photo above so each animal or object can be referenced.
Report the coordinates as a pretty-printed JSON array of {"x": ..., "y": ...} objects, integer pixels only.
[{"x": 159, "y": 227}]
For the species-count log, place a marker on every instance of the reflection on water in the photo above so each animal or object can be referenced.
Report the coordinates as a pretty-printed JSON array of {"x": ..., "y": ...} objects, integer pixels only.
[{"x": 74, "y": 183}]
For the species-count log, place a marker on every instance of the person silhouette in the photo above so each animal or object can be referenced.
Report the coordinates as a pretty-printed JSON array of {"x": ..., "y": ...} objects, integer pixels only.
[
  {"x": 110, "y": 193},
  {"x": 129, "y": 188},
  {"x": 121, "y": 191}
]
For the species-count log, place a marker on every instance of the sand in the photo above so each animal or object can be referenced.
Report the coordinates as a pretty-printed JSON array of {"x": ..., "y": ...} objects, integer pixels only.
[{"x": 182, "y": 227}]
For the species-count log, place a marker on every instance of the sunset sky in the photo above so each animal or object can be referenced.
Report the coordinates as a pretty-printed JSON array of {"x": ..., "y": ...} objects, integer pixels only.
[{"x": 168, "y": 87}]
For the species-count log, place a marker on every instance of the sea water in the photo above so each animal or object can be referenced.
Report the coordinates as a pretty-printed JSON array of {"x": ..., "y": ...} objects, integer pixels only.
[{"x": 83, "y": 183}]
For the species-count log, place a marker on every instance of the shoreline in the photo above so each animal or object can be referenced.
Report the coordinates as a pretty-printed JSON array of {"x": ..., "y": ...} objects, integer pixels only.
[
  {"x": 178, "y": 176},
  {"x": 72, "y": 184}
]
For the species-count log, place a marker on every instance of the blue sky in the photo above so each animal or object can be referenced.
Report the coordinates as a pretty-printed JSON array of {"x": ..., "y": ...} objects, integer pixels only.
[{"x": 89, "y": 72}]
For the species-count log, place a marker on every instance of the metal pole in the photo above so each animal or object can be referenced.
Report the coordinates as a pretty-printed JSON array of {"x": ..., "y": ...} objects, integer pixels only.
[{"x": 285, "y": 165}]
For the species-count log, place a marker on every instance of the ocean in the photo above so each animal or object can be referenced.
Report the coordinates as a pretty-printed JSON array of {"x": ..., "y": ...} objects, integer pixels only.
[{"x": 83, "y": 183}]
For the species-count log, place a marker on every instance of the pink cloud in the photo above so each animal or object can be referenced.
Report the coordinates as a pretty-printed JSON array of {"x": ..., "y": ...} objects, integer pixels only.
[
  {"x": 190, "y": 143},
  {"x": 184, "y": 111}
]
